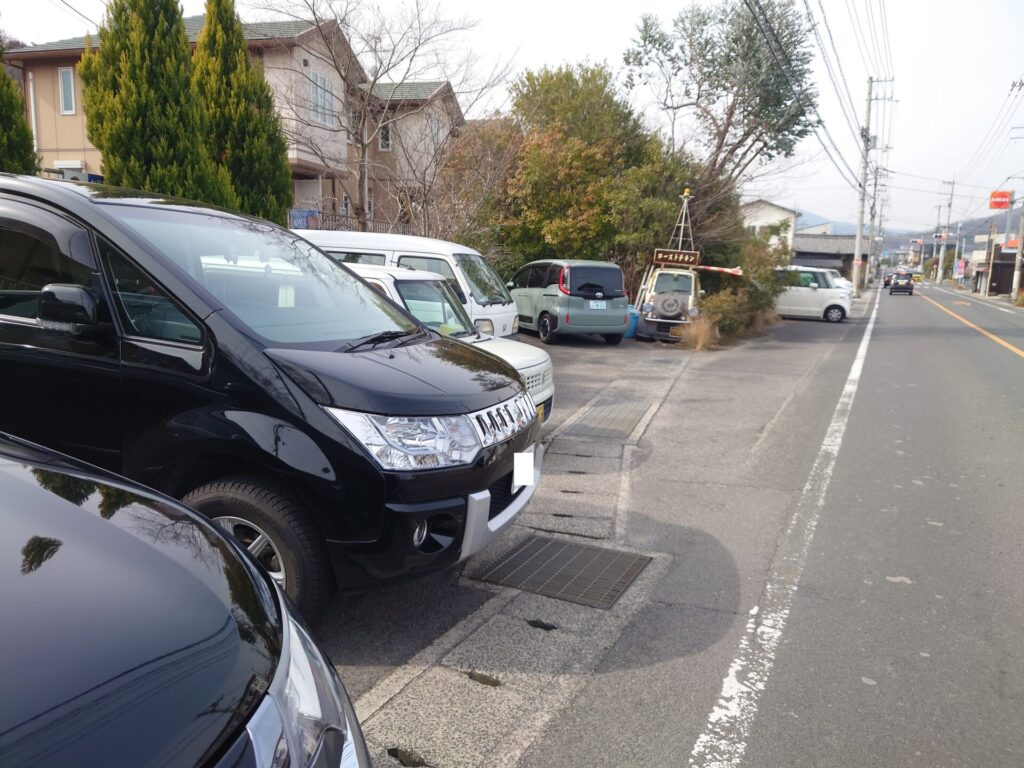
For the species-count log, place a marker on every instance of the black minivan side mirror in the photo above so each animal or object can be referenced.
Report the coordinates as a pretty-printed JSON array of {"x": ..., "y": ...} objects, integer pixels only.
[{"x": 66, "y": 304}]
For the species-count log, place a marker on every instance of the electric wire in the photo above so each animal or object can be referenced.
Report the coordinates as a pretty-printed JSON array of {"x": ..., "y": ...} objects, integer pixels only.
[
  {"x": 849, "y": 112},
  {"x": 754, "y": 7}
]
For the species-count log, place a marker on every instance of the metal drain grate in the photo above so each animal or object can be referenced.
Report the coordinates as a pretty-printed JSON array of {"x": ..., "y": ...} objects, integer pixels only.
[
  {"x": 578, "y": 573},
  {"x": 614, "y": 421}
]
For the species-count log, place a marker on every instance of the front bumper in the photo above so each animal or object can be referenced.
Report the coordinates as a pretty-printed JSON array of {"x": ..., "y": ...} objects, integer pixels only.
[
  {"x": 656, "y": 328},
  {"x": 457, "y": 526},
  {"x": 485, "y": 521}
]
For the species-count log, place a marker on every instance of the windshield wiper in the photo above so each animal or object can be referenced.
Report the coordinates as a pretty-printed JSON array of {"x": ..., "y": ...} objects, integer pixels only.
[{"x": 377, "y": 338}]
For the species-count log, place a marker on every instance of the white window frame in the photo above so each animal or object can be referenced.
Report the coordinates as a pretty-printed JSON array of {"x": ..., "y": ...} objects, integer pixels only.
[
  {"x": 63, "y": 91},
  {"x": 346, "y": 204},
  {"x": 321, "y": 98},
  {"x": 381, "y": 145}
]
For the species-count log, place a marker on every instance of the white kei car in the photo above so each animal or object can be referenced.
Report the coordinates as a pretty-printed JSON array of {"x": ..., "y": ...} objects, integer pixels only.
[{"x": 428, "y": 297}]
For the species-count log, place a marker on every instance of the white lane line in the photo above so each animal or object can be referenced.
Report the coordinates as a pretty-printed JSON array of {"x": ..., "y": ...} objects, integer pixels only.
[{"x": 724, "y": 740}]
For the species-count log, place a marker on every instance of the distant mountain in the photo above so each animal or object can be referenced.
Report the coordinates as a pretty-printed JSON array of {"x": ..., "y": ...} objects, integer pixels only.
[{"x": 969, "y": 228}]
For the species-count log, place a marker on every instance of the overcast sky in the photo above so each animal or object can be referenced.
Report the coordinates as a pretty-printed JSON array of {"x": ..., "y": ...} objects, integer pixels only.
[{"x": 953, "y": 65}]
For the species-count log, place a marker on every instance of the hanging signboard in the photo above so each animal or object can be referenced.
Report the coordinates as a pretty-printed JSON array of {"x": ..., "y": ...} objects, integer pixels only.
[
  {"x": 1000, "y": 199},
  {"x": 959, "y": 267},
  {"x": 664, "y": 257}
]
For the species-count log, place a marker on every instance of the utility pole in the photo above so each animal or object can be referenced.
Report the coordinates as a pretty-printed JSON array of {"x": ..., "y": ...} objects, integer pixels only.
[
  {"x": 1015, "y": 292},
  {"x": 871, "y": 230},
  {"x": 949, "y": 215},
  {"x": 990, "y": 254},
  {"x": 858, "y": 241},
  {"x": 935, "y": 238}
]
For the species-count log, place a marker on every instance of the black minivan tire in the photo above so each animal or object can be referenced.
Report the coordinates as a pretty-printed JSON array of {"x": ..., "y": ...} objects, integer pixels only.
[
  {"x": 544, "y": 330},
  {"x": 274, "y": 512},
  {"x": 612, "y": 339}
]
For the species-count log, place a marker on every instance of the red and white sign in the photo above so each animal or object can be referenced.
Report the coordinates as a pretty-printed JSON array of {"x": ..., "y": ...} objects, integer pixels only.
[{"x": 1000, "y": 199}]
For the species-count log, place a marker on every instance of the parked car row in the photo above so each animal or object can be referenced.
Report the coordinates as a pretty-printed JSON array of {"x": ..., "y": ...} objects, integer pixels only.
[{"x": 344, "y": 435}]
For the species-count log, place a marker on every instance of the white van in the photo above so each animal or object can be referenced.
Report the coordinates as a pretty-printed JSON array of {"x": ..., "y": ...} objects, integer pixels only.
[
  {"x": 474, "y": 281},
  {"x": 810, "y": 292}
]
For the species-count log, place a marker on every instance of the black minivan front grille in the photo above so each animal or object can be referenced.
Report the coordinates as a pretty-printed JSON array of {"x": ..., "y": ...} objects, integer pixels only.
[{"x": 501, "y": 496}]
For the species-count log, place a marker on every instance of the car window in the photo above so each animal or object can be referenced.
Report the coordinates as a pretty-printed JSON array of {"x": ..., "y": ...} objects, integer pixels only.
[
  {"x": 587, "y": 281},
  {"x": 433, "y": 304},
  {"x": 428, "y": 264},
  {"x": 519, "y": 278},
  {"x": 27, "y": 264},
  {"x": 553, "y": 272},
  {"x": 668, "y": 282},
  {"x": 806, "y": 278},
  {"x": 353, "y": 257},
  {"x": 145, "y": 308},
  {"x": 537, "y": 274},
  {"x": 278, "y": 286},
  {"x": 484, "y": 283}
]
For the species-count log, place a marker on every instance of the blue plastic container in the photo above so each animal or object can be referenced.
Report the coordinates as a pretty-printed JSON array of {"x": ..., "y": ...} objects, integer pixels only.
[{"x": 634, "y": 317}]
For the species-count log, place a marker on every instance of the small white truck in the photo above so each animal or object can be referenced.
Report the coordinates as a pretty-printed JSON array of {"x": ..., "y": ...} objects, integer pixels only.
[{"x": 669, "y": 293}]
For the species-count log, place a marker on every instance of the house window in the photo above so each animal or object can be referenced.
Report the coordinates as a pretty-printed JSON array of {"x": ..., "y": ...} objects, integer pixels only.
[
  {"x": 369, "y": 209},
  {"x": 384, "y": 138},
  {"x": 321, "y": 98},
  {"x": 67, "y": 90},
  {"x": 353, "y": 124},
  {"x": 346, "y": 204}
]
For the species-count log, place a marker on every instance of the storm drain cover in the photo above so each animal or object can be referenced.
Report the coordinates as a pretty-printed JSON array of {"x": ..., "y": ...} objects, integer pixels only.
[
  {"x": 578, "y": 573},
  {"x": 614, "y": 421}
]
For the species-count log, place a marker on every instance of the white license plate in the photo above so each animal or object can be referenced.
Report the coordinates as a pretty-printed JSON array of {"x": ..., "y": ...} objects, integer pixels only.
[
  {"x": 599, "y": 305},
  {"x": 522, "y": 470}
]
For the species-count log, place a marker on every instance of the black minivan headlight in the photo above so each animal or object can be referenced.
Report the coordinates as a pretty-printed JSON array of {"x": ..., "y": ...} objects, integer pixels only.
[{"x": 413, "y": 442}]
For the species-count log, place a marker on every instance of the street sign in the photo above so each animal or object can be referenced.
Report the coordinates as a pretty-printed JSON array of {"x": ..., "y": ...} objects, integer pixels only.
[
  {"x": 1000, "y": 199},
  {"x": 664, "y": 257}
]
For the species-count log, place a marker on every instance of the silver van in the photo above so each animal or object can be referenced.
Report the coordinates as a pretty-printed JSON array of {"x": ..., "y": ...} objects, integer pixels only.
[{"x": 561, "y": 298}]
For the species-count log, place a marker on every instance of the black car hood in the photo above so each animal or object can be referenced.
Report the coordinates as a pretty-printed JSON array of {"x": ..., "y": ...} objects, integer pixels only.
[
  {"x": 432, "y": 378},
  {"x": 133, "y": 635}
]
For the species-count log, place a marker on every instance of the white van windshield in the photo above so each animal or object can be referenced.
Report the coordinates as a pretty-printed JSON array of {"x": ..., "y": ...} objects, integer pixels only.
[
  {"x": 484, "y": 283},
  {"x": 433, "y": 304},
  {"x": 279, "y": 286}
]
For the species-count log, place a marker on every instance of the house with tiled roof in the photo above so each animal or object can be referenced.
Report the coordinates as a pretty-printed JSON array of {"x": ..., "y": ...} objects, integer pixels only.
[{"x": 318, "y": 112}]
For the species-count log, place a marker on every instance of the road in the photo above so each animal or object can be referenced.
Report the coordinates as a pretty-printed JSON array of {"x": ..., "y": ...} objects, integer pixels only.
[{"x": 833, "y": 513}]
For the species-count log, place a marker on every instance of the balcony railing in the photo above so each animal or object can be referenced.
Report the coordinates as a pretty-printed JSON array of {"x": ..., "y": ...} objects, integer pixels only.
[{"x": 353, "y": 224}]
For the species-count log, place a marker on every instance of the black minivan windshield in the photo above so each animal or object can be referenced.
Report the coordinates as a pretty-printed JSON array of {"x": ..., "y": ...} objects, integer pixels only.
[{"x": 278, "y": 285}]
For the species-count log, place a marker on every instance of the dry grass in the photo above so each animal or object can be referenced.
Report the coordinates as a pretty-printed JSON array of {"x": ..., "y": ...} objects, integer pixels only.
[{"x": 699, "y": 334}]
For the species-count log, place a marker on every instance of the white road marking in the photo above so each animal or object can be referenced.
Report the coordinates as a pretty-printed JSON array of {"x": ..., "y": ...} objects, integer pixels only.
[
  {"x": 898, "y": 580},
  {"x": 724, "y": 740},
  {"x": 979, "y": 302}
]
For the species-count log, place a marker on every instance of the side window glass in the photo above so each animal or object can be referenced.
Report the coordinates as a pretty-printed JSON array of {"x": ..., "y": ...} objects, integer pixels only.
[
  {"x": 27, "y": 263},
  {"x": 519, "y": 279},
  {"x": 350, "y": 257},
  {"x": 428, "y": 264},
  {"x": 145, "y": 307},
  {"x": 537, "y": 274},
  {"x": 806, "y": 278},
  {"x": 552, "y": 276}
]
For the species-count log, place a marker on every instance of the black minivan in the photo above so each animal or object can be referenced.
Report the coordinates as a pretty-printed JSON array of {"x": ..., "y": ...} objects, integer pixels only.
[{"x": 227, "y": 362}]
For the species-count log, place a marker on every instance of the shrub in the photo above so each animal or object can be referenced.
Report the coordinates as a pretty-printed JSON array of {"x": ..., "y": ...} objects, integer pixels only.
[
  {"x": 699, "y": 334},
  {"x": 729, "y": 310}
]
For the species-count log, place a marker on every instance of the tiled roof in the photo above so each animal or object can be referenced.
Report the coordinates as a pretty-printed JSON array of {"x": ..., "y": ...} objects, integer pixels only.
[
  {"x": 837, "y": 245},
  {"x": 410, "y": 90},
  {"x": 261, "y": 30}
]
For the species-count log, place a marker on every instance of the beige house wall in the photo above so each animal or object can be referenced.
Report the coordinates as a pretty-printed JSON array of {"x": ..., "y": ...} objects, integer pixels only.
[{"x": 58, "y": 137}]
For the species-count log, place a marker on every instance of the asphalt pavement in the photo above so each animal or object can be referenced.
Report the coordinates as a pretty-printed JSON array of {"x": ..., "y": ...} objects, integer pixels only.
[{"x": 833, "y": 513}]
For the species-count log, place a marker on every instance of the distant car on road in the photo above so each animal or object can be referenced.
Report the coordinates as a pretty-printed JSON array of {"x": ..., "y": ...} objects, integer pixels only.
[
  {"x": 888, "y": 280},
  {"x": 917, "y": 277},
  {"x": 138, "y": 633},
  {"x": 839, "y": 280},
  {"x": 902, "y": 282}
]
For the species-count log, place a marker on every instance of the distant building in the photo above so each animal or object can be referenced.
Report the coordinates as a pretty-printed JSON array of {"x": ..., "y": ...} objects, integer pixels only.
[
  {"x": 761, "y": 215},
  {"x": 317, "y": 114},
  {"x": 828, "y": 251}
]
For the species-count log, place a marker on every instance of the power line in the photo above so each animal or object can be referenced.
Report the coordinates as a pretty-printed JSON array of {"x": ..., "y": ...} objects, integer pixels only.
[
  {"x": 839, "y": 62},
  {"x": 785, "y": 73},
  {"x": 849, "y": 113},
  {"x": 885, "y": 35},
  {"x": 858, "y": 34},
  {"x": 69, "y": 5},
  {"x": 1003, "y": 116}
]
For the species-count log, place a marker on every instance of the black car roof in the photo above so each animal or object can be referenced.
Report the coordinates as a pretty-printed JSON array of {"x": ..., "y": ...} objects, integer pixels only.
[{"x": 71, "y": 194}]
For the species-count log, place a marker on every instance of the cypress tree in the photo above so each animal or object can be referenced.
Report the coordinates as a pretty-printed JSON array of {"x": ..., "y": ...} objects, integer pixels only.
[
  {"x": 16, "y": 152},
  {"x": 140, "y": 112},
  {"x": 244, "y": 133}
]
